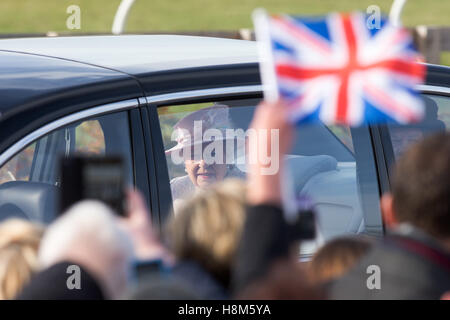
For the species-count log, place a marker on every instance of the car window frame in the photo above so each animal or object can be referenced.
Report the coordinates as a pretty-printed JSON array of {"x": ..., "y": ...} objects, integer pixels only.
[
  {"x": 131, "y": 106},
  {"x": 207, "y": 95},
  {"x": 161, "y": 176}
]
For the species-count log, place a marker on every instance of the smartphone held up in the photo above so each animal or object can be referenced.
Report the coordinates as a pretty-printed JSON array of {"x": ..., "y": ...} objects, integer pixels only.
[{"x": 92, "y": 177}]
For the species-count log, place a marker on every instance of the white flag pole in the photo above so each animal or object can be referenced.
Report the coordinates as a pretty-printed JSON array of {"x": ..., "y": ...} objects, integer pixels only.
[
  {"x": 396, "y": 12},
  {"x": 266, "y": 61},
  {"x": 120, "y": 18}
]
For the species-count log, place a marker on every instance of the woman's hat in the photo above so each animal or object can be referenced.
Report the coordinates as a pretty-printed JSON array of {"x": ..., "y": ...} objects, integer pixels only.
[{"x": 190, "y": 130}]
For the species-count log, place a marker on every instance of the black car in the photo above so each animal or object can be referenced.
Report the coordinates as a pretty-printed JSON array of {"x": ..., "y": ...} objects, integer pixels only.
[{"x": 124, "y": 94}]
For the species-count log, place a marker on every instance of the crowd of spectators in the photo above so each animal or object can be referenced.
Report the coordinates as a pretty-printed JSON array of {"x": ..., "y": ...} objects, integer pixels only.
[{"x": 232, "y": 241}]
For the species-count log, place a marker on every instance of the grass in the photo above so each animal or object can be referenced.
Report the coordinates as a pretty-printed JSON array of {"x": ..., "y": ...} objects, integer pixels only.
[
  {"x": 175, "y": 15},
  {"x": 41, "y": 16},
  {"x": 445, "y": 58}
]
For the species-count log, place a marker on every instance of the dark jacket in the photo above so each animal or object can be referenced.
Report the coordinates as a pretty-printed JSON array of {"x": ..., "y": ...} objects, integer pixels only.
[
  {"x": 199, "y": 280},
  {"x": 411, "y": 264},
  {"x": 266, "y": 237},
  {"x": 52, "y": 284},
  {"x": 185, "y": 280}
]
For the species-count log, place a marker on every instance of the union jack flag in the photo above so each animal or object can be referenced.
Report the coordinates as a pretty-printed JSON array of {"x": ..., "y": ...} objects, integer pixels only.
[{"x": 337, "y": 70}]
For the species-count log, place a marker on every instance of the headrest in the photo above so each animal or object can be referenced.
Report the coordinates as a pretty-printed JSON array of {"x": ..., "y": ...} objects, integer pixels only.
[
  {"x": 302, "y": 168},
  {"x": 29, "y": 200}
]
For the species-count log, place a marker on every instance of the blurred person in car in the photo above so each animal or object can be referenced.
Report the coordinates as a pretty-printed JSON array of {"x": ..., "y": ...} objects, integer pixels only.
[
  {"x": 19, "y": 243},
  {"x": 195, "y": 134},
  {"x": 414, "y": 258},
  {"x": 204, "y": 236},
  {"x": 86, "y": 237},
  {"x": 337, "y": 257},
  {"x": 402, "y": 136}
]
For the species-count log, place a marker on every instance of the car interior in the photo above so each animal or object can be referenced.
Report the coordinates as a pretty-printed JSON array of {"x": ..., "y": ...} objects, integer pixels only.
[
  {"x": 323, "y": 169},
  {"x": 36, "y": 198}
]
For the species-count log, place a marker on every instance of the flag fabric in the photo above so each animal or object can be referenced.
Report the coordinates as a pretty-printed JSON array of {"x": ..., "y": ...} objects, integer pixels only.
[{"x": 337, "y": 70}]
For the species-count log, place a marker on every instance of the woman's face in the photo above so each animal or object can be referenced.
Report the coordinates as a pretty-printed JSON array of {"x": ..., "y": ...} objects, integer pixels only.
[{"x": 202, "y": 175}]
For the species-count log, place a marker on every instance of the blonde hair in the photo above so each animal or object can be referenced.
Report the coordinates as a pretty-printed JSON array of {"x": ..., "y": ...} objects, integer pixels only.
[
  {"x": 207, "y": 227},
  {"x": 337, "y": 257},
  {"x": 19, "y": 243}
]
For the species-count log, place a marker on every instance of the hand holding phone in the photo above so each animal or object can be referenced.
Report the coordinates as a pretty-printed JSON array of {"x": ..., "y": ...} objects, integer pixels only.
[{"x": 87, "y": 177}]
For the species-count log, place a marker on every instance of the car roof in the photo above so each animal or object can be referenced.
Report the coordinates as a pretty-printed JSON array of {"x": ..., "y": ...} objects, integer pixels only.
[
  {"x": 42, "y": 79},
  {"x": 35, "y": 70},
  {"x": 136, "y": 54},
  {"x": 30, "y": 79}
]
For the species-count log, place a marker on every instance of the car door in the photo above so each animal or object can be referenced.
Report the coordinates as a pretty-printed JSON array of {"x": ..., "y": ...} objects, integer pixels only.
[
  {"x": 29, "y": 178},
  {"x": 332, "y": 166}
]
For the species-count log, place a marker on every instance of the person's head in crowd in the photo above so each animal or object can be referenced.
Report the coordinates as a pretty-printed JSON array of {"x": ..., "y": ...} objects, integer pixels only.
[
  {"x": 336, "y": 258},
  {"x": 420, "y": 193},
  {"x": 208, "y": 226},
  {"x": 163, "y": 288},
  {"x": 199, "y": 135},
  {"x": 19, "y": 243},
  {"x": 87, "y": 234},
  {"x": 64, "y": 280},
  {"x": 285, "y": 280}
]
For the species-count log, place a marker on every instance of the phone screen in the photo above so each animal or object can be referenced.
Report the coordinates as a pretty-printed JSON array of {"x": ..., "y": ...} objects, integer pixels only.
[{"x": 99, "y": 178}]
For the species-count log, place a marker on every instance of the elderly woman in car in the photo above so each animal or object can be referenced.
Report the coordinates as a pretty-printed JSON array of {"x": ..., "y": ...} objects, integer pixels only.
[{"x": 203, "y": 146}]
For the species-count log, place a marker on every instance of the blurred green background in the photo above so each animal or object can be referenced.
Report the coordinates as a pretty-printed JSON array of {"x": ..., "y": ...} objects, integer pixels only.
[
  {"x": 175, "y": 15},
  {"x": 30, "y": 16}
]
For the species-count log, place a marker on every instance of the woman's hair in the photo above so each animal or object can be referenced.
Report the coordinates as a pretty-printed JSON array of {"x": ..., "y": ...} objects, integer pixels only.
[
  {"x": 337, "y": 257},
  {"x": 19, "y": 243},
  {"x": 285, "y": 280},
  {"x": 207, "y": 228}
]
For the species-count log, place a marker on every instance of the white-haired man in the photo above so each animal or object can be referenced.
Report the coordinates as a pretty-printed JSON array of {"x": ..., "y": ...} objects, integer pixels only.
[{"x": 86, "y": 239}]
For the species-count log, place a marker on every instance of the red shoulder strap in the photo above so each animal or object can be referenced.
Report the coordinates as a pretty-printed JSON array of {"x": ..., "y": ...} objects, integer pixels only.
[{"x": 431, "y": 254}]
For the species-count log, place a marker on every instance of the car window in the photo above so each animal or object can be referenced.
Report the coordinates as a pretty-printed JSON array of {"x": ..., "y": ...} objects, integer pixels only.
[
  {"x": 437, "y": 119},
  {"x": 343, "y": 133},
  {"x": 18, "y": 168},
  {"x": 89, "y": 138},
  {"x": 29, "y": 181},
  {"x": 333, "y": 166}
]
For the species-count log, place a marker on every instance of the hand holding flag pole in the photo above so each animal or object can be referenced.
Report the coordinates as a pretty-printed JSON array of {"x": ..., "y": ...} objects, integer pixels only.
[
  {"x": 266, "y": 59},
  {"x": 271, "y": 96},
  {"x": 335, "y": 70}
]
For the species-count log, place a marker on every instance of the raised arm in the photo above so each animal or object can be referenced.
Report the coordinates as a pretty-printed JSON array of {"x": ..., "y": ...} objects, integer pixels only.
[{"x": 265, "y": 237}]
